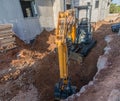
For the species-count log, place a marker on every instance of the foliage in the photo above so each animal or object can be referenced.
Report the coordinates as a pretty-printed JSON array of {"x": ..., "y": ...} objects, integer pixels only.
[{"x": 114, "y": 8}]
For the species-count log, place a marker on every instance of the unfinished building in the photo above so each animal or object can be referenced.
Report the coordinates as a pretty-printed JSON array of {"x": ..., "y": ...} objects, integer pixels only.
[
  {"x": 100, "y": 9},
  {"x": 30, "y": 17}
]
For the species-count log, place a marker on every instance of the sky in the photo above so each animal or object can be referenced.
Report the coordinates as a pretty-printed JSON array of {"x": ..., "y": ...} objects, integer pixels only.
[{"x": 116, "y": 1}]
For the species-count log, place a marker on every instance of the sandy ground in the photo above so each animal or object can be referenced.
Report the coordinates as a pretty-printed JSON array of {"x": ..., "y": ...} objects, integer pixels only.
[
  {"x": 29, "y": 72},
  {"x": 112, "y": 17}
]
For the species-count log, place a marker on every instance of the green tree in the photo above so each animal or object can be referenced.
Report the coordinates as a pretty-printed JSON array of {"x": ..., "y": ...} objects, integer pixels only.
[{"x": 114, "y": 8}]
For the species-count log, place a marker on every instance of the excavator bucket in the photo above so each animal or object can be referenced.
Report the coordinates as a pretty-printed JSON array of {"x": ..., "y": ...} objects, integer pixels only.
[{"x": 62, "y": 91}]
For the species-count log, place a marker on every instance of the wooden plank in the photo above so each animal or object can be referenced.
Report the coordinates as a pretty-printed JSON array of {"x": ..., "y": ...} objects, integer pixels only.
[
  {"x": 7, "y": 49},
  {"x": 6, "y": 31},
  {"x": 5, "y": 27},
  {"x": 7, "y": 41},
  {"x": 7, "y": 34},
  {"x": 12, "y": 39},
  {"x": 6, "y": 37},
  {"x": 6, "y": 44}
]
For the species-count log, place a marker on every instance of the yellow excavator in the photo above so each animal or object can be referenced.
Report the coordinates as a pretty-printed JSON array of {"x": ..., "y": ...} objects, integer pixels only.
[
  {"x": 72, "y": 38},
  {"x": 65, "y": 33}
]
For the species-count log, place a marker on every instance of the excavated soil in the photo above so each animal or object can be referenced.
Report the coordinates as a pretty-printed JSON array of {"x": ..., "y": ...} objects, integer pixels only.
[
  {"x": 106, "y": 86},
  {"x": 37, "y": 65},
  {"x": 107, "y": 83}
]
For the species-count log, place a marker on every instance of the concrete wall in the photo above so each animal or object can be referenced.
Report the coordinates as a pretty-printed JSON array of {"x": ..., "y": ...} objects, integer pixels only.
[
  {"x": 104, "y": 9},
  {"x": 27, "y": 28},
  {"x": 58, "y": 5},
  {"x": 76, "y": 2},
  {"x": 46, "y": 18},
  {"x": 97, "y": 13},
  {"x": 82, "y": 13}
]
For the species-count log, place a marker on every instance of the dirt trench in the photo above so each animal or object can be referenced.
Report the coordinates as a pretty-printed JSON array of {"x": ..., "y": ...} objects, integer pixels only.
[{"x": 42, "y": 60}]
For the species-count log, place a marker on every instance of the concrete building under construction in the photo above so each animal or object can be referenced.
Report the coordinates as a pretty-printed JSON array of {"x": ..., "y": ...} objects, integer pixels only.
[{"x": 30, "y": 17}]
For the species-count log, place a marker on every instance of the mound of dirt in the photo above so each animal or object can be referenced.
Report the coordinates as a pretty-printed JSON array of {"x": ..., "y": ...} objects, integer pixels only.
[
  {"x": 118, "y": 19},
  {"x": 44, "y": 42},
  {"x": 6, "y": 58},
  {"x": 107, "y": 83}
]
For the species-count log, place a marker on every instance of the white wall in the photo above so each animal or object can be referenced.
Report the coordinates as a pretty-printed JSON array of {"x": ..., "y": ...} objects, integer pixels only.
[
  {"x": 27, "y": 28},
  {"x": 97, "y": 13},
  {"x": 45, "y": 8},
  {"x": 58, "y": 5}
]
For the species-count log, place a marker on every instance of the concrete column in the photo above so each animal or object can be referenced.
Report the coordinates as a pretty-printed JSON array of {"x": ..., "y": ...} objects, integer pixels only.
[{"x": 58, "y": 5}]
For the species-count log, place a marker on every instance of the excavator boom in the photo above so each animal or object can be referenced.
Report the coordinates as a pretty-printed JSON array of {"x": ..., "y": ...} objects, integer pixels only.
[
  {"x": 65, "y": 29},
  {"x": 74, "y": 40}
]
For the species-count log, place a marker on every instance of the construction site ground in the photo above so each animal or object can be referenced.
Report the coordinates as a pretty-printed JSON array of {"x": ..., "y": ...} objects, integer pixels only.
[{"x": 29, "y": 72}]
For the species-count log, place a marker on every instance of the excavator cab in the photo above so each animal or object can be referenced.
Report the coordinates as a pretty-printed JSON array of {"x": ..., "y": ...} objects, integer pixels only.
[{"x": 84, "y": 40}]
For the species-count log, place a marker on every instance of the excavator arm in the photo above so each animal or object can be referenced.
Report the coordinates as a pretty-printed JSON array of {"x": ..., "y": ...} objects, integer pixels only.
[
  {"x": 66, "y": 30},
  {"x": 74, "y": 40}
]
